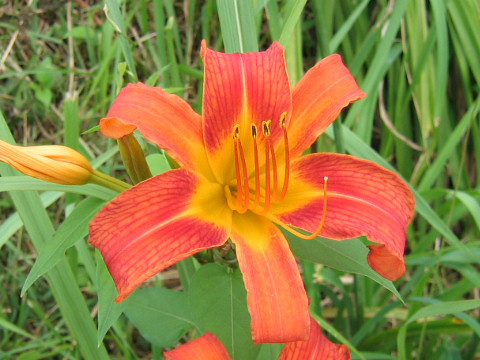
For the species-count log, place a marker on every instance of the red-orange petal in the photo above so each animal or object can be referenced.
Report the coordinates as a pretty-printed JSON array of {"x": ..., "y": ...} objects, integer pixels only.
[
  {"x": 317, "y": 347},
  {"x": 205, "y": 347},
  {"x": 164, "y": 119},
  {"x": 362, "y": 199},
  {"x": 276, "y": 298},
  {"x": 157, "y": 223},
  {"x": 242, "y": 89},
  {"x": 317, "y": 100}
]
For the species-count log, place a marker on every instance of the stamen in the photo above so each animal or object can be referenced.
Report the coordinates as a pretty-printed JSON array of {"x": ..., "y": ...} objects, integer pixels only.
[
  {"x": 287, "y": 156},
  {"x": 257, "y": 170},
  {"x": 245, "y": 178},
  {"x": 235, "y": 135},
  {"x": 266, "y": 133},
  {"x": 320, "y": 226},
  {"x": 274, "y": 168}
]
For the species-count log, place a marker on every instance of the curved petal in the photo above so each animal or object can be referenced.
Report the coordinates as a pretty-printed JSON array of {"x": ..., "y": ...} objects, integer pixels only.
[
  {"x": 242, "y": 89},
  {"x": 317, "y": 347},
  {"x": 157, "y": 223},
  {"x": 205, "y": 347},
  {"x": 362, "y": 199},
  {"x": 164, "y": 119},
  {"x": 317, "y": 100},
  {"x": 276, "y": 298}
]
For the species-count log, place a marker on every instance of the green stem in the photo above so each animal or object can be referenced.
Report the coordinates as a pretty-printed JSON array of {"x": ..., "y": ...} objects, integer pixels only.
[{"x": 109, "y": 181}]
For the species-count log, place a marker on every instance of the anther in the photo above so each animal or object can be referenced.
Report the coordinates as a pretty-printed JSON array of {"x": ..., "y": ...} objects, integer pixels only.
[
  {"x": 254, "y": 131},
  {"x": 236, "y": 132},
  {"x": 266, "y": 127},
  {"x": 282, "y": 120}
]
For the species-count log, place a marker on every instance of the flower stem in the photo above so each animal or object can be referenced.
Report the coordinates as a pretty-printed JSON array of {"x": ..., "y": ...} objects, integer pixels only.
[{"x": 108, "y": 181}]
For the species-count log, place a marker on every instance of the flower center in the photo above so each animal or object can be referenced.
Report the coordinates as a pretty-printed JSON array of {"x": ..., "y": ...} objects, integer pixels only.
[{"x": 259, "y": 201}]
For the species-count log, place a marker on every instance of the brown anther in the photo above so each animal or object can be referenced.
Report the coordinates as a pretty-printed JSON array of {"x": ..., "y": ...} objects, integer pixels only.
[
  {"x": 236, "y": 132},
  {"x": 254, "y": 131},
  {"x": 283, "y": 119},
  {"x": 266, "y": 127}
]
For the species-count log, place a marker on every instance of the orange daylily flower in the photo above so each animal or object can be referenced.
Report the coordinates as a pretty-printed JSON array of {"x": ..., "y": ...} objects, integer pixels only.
[
  {"x": 55, "y": 163},
  {"x": 241, "y": 176},
  {"x": 317, "y": 347}
]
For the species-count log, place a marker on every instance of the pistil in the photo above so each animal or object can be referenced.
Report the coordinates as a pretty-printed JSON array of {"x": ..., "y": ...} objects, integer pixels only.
[{"x": 319, "y": 227}]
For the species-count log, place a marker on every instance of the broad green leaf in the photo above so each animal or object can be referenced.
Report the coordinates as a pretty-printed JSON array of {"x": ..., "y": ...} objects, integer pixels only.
[
  {"x": 108, "y": 310},
  {"x": 161, "y": 315},
  {"x": 348, "y": 255},
  {"x": 269, "y": 351},
  {"x": 157, "y": 163},
  {"x": 217, "y": 299},
  {"x": 73, "y": 229}
]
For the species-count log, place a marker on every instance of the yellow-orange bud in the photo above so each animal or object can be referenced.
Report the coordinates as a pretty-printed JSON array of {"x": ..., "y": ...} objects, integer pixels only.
[{"x": 54, "y": 163}]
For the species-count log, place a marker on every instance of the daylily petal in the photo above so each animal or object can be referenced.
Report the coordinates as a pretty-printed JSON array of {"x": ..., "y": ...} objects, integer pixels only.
[
  {"x": 157, "y": 223},
  {"x": 317, "y": 347},
  {"x": 164, "y": 119},
  {"x": 317, "y": 100},
  {"x": 276, "y": 298},
  {"x": 362, "y": 199},
  {"x": 242, "y": 89},
  {"x": 205, "y": 347}
]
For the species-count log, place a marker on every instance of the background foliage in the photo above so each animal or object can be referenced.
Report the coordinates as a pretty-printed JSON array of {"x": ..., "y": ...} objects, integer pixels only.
[{"x": 61, "y": 65}]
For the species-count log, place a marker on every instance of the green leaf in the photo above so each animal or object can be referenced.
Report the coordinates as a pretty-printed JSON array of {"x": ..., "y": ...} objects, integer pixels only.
[
  {"x": 217, "y": 298},
  {"x": 73, "y": 229},
  {"x": 438, "y": 165},
  {"x": 108, "y": 310},
  {"x": 437, "y": 309},
  {"x": 238, "y": 28},
  {"x": 114, "y": 16},
  {"x": 25, "y": 183},
  {"x": 162, "y": 316},
  {"x": 157, "y": 163},
  {"x": 348, "y": 255},
  {"x": 291, "y": 20},
  {"x": 14, "y": 223}
]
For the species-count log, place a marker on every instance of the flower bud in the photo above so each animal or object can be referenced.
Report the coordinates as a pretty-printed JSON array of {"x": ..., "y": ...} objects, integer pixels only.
[{"x": 53, "y": 163}]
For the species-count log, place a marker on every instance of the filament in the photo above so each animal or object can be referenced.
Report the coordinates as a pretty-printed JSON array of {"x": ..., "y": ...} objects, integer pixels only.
[
  {"x": 274, "y": 168},
  {"x": 245, "y": 178},
  {"x": 257, "y": 170},
  {"x": 287, "y": 157},
  {"x": 266, "y": 133},
  {"x": 237, "y": 171}
]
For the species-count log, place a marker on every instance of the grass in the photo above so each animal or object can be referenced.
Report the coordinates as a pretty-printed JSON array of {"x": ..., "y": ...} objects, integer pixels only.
[{"x": 61, "y": 65}]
